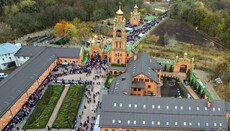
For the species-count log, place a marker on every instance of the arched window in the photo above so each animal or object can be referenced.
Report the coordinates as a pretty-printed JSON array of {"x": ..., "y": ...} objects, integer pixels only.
[
  {"x": 118, "y": 33},
  {"x": 118, "y": 61}
]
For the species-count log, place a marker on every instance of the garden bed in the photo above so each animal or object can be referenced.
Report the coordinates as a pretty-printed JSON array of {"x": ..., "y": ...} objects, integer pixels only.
[
  {"x": 44, "y": 109},
  {"x": 69, "y": 108}
]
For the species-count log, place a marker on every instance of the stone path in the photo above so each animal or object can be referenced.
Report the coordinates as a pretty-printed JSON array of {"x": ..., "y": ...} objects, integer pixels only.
[
  {"x": 58, "y": 105},
  {"x": 182, "y": 76}
]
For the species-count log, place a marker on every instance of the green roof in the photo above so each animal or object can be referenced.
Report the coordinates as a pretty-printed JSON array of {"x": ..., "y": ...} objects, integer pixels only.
[
  {"x": 85, "y": 57},
  {"x": 108, "y": 47},
  {"x": 148, "y": 18}
]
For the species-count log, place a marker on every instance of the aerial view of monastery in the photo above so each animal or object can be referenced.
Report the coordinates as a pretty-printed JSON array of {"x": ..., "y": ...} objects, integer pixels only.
[{"x": 115, "y": 65}]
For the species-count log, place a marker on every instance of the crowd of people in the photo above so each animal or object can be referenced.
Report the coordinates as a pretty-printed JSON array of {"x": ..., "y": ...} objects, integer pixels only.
[
  {"x": 142, "y": 29},
  {"x": 25, "y": 110}
]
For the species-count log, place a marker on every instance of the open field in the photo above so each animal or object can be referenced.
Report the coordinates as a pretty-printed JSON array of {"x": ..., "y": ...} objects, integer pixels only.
[
  {"x": 44, "y": 108},
  {"x": 182, "y": 31},
  {"x": 69, "y": 108}
]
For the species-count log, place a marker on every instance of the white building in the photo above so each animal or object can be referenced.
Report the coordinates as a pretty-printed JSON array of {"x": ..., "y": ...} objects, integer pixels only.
[{"x": 7, "y": 57}]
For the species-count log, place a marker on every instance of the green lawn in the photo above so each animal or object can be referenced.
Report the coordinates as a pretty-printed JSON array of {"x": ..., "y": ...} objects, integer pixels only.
[
  {"x": 45, "y": 107},
  {"x": 69, "y": 107}
]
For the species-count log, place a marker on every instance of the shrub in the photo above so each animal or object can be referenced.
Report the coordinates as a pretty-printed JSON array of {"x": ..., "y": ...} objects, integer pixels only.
[
  {"x": 69, "y": 108},
  {"x": 45, "y": 107}
]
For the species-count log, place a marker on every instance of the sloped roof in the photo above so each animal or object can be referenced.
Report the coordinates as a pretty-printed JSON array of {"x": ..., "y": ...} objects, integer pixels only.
[
  {"x": 18, "y": 82},
  {"x": 8, "y": 48},
  {"x": 121, "y": 84},
  {"x": 142, "y": 65},
  {"x": 161, "y": 113}
]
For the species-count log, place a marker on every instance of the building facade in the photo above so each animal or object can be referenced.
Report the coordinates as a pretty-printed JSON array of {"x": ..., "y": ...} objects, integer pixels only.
[
  {"x": 135, "y": 16},
  {"x": 183, "y": 64},
  {"x": 23, "y": 82},
  {"x": 7, "y": 57}
]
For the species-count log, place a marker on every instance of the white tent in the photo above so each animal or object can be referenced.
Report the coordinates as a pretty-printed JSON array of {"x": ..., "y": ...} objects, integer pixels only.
[{"x": 140, "y": 35}]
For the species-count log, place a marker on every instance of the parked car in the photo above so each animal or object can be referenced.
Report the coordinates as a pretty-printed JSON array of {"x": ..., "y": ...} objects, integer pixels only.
[
  {"x": 186, "y": 82},
  {"x": 3, "y": 75}
]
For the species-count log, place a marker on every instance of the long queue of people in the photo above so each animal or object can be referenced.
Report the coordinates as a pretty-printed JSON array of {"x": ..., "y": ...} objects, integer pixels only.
[
  {"x": 134, "y": 35},
  {"x": 25, "y": 110}
]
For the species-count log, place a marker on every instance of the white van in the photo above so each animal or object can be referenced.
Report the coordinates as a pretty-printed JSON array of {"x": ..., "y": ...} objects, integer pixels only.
[{"x": 3, "y": 75}]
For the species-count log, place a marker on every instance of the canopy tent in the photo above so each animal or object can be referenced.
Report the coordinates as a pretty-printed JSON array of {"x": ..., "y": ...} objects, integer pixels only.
[
  {"x": 64, "y": 63},
  {"x": 127, "y": 29},
  {"x": 140, "y": 35},
  {"x": 148, "y": 22},
  {"x": 148, "y": 18}
]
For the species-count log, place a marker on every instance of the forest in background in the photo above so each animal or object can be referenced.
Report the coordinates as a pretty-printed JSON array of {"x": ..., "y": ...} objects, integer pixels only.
[
  {"x": 20, "y": 17},
  {"x": 210, "y": 16}
]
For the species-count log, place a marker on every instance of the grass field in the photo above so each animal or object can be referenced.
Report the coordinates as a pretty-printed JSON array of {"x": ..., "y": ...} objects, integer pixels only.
[
  {"x": 69, "y": 108},
  {"x": 44, "y": 108}
]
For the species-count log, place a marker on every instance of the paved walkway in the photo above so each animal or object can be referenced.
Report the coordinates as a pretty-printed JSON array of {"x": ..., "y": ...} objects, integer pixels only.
[
  {"x": 182, "y": 76},
  {"x": 205, "y": 79},
  {"x": 58, "y": 105}
]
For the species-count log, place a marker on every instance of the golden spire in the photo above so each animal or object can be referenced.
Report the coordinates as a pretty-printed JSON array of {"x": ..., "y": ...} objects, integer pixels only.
[{"x": 119, "y": 11}]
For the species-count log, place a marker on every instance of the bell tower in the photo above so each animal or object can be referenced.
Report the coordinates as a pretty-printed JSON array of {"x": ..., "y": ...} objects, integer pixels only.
[
  {"x": 135, "y": 16},
  {"x": 118, "y": 54}
]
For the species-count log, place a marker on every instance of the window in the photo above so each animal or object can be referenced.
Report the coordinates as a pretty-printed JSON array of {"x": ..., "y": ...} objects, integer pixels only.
[
  {"x": 127, "y": 55},
  {"x": 167, "y": 123},
  {"x": 144, "y": 106},
  {"x": 3, "y": 59},
  {"x": 149, "y": 86},
  {"x": 106, "y": 130},
  {"x": 130, "y": 105},
  {"x": 143, "y": 122},
  {"x": 119, "y": 121},
  {"x": 135, "y": 105},
  {"x": 135, "y": 79},
  {"x": 134, "y": 89},
  {"x": 152, "y": 106},
  {"x": 9, "y": 57},
  {"x": 159, "y": 107},
  {"x": 176, "y": 123},
  {"x": 134, "y": 122},
  {"x": 115, "y": 104},
  {"x": 18, "y": 57},
  {"x": 24, "y": 57},
  {"x": 139, "y": 89},
  {"x": 146, "y": 80},
  {"x": 113, "y": 129},
  {"x": 152, "y": 122},
  {"x": 128, "y": 122},
  {"x": 113, "y": 121},
  {"x": 184, "y": 123},
  {"x": 120, "y": 104}
]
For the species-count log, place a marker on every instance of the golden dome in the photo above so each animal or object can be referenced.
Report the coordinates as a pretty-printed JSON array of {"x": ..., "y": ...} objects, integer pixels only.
[
  {"x": 135, "y": 7},
  {"x": 185, "y": 53},
  {"x": 119, "y": 12}
]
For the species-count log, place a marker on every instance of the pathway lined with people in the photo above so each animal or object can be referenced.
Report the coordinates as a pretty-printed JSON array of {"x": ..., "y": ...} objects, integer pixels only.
[{"x": 58, "y": 106}]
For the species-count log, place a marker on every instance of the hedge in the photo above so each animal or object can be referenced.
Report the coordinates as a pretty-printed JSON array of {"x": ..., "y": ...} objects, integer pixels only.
[
  {"x": 69, "y": 108},
  {"x": 44, "y": 109}
]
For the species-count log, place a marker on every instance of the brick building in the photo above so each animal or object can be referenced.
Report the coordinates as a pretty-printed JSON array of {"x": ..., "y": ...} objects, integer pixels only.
[
  {"x": 21, "y": 83},
  {"x": 118, "y": 54},
  {"x": 141, "y": 77},
  {"x": 135, "y": 16},
  {"x": 135, "y": 113}
]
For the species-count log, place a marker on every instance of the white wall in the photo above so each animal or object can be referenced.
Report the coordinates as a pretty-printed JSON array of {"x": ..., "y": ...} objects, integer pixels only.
[
  {"x": 6, "y": 59},
  {"x": 21, "y": 60}
]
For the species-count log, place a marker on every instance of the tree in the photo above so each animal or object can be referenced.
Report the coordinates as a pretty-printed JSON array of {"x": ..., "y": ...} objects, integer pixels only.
[
  {"x": 171, "y": 68},
  {"x": 64, "y": 29}
]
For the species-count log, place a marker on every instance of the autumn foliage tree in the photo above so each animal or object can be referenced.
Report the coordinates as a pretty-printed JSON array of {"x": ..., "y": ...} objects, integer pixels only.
[{"x": 64, "y": 29}]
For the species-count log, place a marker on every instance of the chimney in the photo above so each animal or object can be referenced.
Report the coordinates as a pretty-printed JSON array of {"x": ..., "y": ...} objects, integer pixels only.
[
  {"x": 135, "y": 57},
  {"x": 209, "y": 103}
]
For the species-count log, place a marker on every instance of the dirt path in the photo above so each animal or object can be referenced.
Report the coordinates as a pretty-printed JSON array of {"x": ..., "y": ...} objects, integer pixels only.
[
  {"x": 182, "y": 76},
  {"x": 204, "y": 77},
  {"x": 57, "y": 107}
]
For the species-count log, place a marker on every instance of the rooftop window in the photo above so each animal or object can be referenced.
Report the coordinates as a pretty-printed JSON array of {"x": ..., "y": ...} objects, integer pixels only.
[
  {"x": 135, "y": 105},
  {"x": 152, "y": 122},
  {"x": 167, "y": 123},
  {"x": 144, "y": 106},
  {"x": 167, "y": 107},
  {"x": 134, "y": 122},
  {"x": 181, "y": 107},
  {"x": 198, "y": 123},
  {"x": 220, "y": 124},
  {"x": 213, "y": 108},
  {"x": 176, "y": 123},
  {"x": 119, "y": 121},
  {"x": 152, "y": 106},
  {"x": 198, "y": 108},
  {"x": 189, "y": 107},
  {"x": 158, "y": 123},
  {"x": 128, "y": 121},
  {"x": 120, "y": 104},
  {"x": 214, "y": 124},
  {"x": 159, "y": 107},
  {"x": 175, "y": 107},
  {"x": 113, "y": 121},
  {"x": 129, "y": 105},
  {"x": 190, "y": 123},
  {"x": 218, "y": 108},
  {"x": 206, "y": 124},
  {"x": 206, "y": 108},
  {"x": 143, "y": 122},
  {"x": 115, "y": 104},
  {"x": 184, "y": 123}
]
